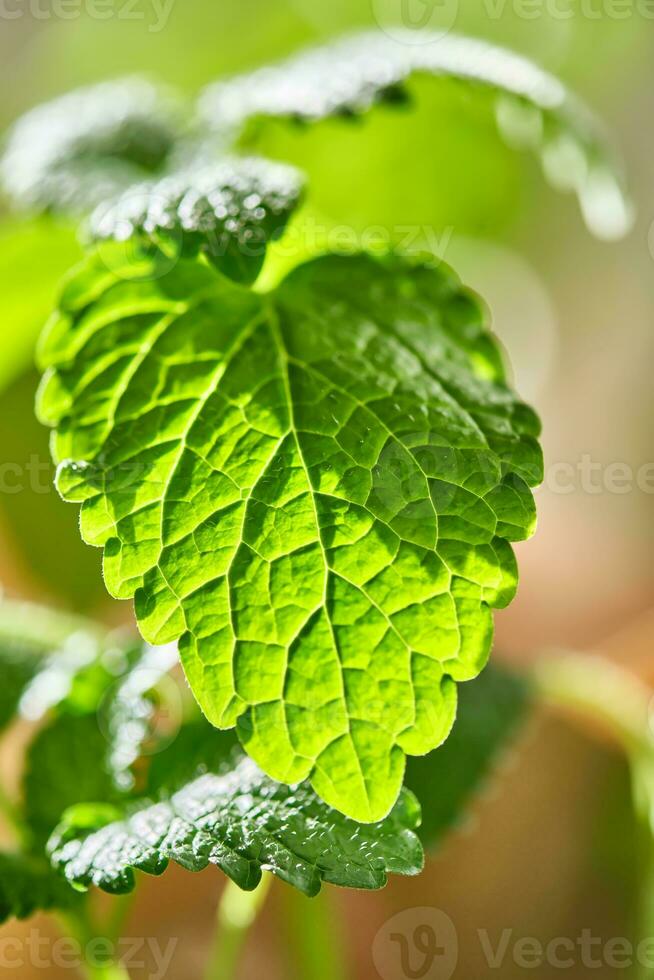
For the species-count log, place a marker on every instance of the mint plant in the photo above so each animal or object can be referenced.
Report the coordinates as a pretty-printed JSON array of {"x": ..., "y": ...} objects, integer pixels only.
[
  {"x": 336, "y": 433},
  {"x": 308, "y": 480}
]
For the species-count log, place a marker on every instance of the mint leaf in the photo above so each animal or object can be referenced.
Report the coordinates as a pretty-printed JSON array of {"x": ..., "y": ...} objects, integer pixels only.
[
  {"x": 72, "y": 677},
  {"x": 71, "y": 153},
  {"x": 52, "y": 661},
  {"x": 197, "y": 749},
  {"x": 314, "y": 490},
  {"x": 35, "y": 657},
  {"x": 105, "y": 707},
  {"x": 351, "y": 75},
  {"x": 490, "y": 712},
  {"x": 19, "y": 662},
  {"x": 73, "y": 662},
  {"x": 65, "y": 765},
  {"x": 239, "y": 820},
  {"x": 128, "y": 712},
  {"x": 228, "y": 211},
  {"x": 28, "y": 885}
]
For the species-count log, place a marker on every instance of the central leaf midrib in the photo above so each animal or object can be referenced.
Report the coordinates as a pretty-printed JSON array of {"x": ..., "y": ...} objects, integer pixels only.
[{"x": 285, "y": 359}]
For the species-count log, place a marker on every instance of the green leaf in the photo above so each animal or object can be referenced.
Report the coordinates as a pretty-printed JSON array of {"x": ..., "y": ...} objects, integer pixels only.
[
  {"x": 128, "y": 713},
  {"x": 197, "y": 749},
  {"x": 28, "y": 885},
  {"x": 97, "y": 692},
  {"x": 314, "y": 490},
  {"x": 69, "y": 664},
  {"x": 93, "y": 689},
  {"x": 351, "y": 75},
  {"x": 72, "y": 677},
  {"x": 30, "y": 637},
  {"x": 228, "y": 211},
  {"x": 70, "y": 154},
  {"x": 66, "y": 662},
  {"x": 238, "y": 819},
  {"x": 65, "y": 765},
  {"x": 19, "y": 662},
  {"x": 104, "y": 712},
  {"x": 490, "y": 712}
]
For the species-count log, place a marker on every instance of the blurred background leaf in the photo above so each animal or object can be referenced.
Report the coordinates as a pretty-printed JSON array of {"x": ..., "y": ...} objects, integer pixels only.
[
  {"x": 34, "y": 255},
  {"x": 40, "y": 526}
]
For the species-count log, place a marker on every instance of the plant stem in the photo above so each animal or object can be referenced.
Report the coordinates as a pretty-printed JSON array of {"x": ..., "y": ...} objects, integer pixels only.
[
  {"x": 612, "y": 696},
  {"x": 41, "y": 627},
  {"x": 114, "y": 924},
  {"x": 12, "y": 816},
  {"x": 642, "y": 774},
  {"x": 602, "y": 691},
  {"x": 78, "y": 925},
  {"x": 106, "y": 971},
  {"x": 313, "y": 940},
  {"x": 237, "y": 912}
]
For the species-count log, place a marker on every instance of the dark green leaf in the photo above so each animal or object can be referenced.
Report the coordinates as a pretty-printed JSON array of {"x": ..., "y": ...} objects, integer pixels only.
[
  {"x": 238, "y": 819},
  {"x": 197, "y": 749},
  {"x": 29, "y": 885},
  {"x": 106, "y": 707},
  {"x": 228, "y": 211},
  {"x": 19, "y": 662},
  {"x": 490, "y": 711},
  {"x": 66, "y": 764}
]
